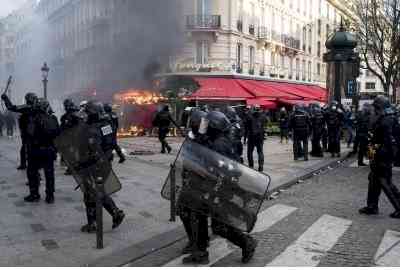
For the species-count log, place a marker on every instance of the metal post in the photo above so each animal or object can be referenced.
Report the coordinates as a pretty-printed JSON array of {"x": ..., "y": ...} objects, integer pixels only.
[
  {"x": 99, "y": 213},
  {"x": 45, "y": 88},
  {"x": 337, "y": 89},
  {"x": 172, "y": 193}
]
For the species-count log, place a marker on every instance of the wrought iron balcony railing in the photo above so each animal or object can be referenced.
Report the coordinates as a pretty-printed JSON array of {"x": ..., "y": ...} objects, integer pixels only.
[{"x": 203, "y": 21}]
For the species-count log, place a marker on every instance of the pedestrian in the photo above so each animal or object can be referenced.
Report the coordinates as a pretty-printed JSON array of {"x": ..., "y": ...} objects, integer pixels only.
[
  {"x": 100, "y": 134},
  {"x": 380, "y": 177},
  {"x": 300, "y": 125},
  {"x": 255, "y": 129},
  {"x": 163, "y": 120},
  {"x": 114, "y": 121},
  {"x": 317, "y": 126},
  {"x": 10, "y": 124},
  {"x": 362, "y": 133},
  {"x": 284, "y": 124},
  {"x": 69, "y": 120},
  {"x": 334, "y": 118}
]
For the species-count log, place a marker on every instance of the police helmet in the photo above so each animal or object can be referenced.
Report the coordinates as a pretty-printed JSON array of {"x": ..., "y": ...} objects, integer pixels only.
[
  {"x": 381, "y": 103},
  {"x": 69, "y": 105},
  {"x": 217, "y": 121},
  {"x": 31, "y": 98},
  {"x": 195, "y": 120},
  {"x": 83, "y": 104},
  {"x": 43, "y": 105},
  {"x": 94, "y": 108},
  {"x": 108, "y": 107},
  {"x": 231, "y": 114},
  {"x": 299, "y": 107}
]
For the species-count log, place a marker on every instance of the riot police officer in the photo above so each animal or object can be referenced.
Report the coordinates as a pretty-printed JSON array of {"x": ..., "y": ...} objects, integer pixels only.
[
  {"x": 236, "y": 131},
  {"x": 284, "y": 124},
  {"x": 255, "y": 130},
  {"x": 69, "y": 119},
  {"x": 317, "y": 126},
  {"x": 195, "y": 224},
  {"x": 380, "y": 177},
  {"x": 334, "y": 119},
  {"x": 299, "y": 124},
  {"x": 114, "y": 121},
  {"x": 218, "y": 124},
  {"x": 27, "y": 111},
  {"x": 45, "y": 130},
  {"x": 162, "y": 120},
  {"x": 100, "y": 133},
  {"x": 362, "y": 133}
]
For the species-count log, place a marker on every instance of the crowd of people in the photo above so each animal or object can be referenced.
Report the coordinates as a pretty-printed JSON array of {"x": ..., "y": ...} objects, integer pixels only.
[
  {"x": 225, "y": 131},
  {"x": 7, "y": 122}
]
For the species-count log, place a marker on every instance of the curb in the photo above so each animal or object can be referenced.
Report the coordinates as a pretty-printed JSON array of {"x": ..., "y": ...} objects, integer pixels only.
[{"x": 158, "y": 243}]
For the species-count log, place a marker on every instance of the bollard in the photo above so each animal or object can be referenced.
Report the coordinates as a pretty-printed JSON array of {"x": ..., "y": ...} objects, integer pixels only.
[
  {"x": 172, "y": 193},
  {"x": 99, "y": 213}
]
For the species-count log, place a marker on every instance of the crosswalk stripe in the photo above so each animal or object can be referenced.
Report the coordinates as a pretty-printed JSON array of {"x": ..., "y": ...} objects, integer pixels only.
[
  {"x": 312, "y": 245},
  {"x": 219, "y": 247},
  {"x": 388, "y": 251}
]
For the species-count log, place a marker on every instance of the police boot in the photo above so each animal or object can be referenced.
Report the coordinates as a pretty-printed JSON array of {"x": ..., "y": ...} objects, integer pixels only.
[
  {"x": 249, "y": 249},
  {"x": 32, "y": 198},
  {"x": 368, "y": 211},
  {"x": 260, "y": 168},
  {"x": 122, "y": 159},
  {"x": 49, "y": 198},
  {"x": 89, "y": 228},
  {"x": 395, "y": 214},
  {"x": 169, "y": 149},
  {"x": 91, "y": 217},
  {"x": 197, "y": 257},
  {"x": 189, "y": 248},
  {"x": 118, "y": 218},
  {"x": 21, "y": 168}
]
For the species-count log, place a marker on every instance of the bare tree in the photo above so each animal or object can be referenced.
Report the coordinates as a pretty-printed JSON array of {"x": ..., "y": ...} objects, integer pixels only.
[{"x": 377, "y": 28}]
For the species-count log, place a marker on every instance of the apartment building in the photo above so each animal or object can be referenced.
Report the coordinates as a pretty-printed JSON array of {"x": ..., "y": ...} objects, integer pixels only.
[{"x": 263, "y": 38}]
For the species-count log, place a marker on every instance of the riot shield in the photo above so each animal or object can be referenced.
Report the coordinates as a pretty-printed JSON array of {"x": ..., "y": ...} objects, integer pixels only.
[
  {"x": 86, "y": 161},
  {"x": 214, "y": 185}
]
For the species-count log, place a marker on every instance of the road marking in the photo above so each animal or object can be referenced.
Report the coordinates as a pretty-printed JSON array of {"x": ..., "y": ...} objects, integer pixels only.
[
  {"x": 272, "y": 215},
  {"x": 219, "y": 248},
  {"x": 388, "y": 251},
  {"x": 313, "y": 244}
]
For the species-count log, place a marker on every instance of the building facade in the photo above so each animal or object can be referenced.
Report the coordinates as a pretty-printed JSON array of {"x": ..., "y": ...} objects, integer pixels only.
[{"x": 271, "y": 39}]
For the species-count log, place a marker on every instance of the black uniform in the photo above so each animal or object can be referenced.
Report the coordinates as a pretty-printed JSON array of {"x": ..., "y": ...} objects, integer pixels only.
[
  {"x": 236, "y": 132},
  {"x": 284, "y": 125},
  {"x": 114, "y": 121},
  {"x": 299, "y": 124},
  {"x": 162, "y": 120},
  {"x": 380, "y": 177},
  {"x": 23, "y": 121},
  {"x": 362, "y": 134},
  {"x": 317, "y": 126},
  {"x": 100, "y": 134},
  {"x": 397, "y": 139},
  {"x": 334, "y": 120},
  {"x": 255, "y": 130},
  {"x": 45, "y": 130}
]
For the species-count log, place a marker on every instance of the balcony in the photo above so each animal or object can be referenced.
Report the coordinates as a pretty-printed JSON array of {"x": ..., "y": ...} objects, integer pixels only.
[
  {"x": 276, "y": 36},
  {"x": 290, "y": 42},
  {"x": 262, "y": 33},
  {"x": 203, "y": 22}
]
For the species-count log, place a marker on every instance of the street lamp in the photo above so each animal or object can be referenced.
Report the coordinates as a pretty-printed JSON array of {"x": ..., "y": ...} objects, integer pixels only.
[{"x": 45, "y": 72}]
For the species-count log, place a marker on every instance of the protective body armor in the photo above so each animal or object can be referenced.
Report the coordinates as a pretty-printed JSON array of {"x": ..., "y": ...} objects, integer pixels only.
[
  {"x": 300, "y": 122},
  {"x": 362, "y": 124},
  {"x": 317, "y": 123},
  {"x": 333, "y": 120}
]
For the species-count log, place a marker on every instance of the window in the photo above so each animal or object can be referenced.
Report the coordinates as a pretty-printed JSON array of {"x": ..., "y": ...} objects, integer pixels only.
[
  {"x": 251, "y": 59},
  {"x": 290, "y": 68},
  {"x": 319, "y": 28},
  {"x": 318, "y": 69},
  {"x": 204, "y": 7},
  {"x": 370, "y": 85},
  {"x": 282, "y": 62},
  {"x": 297, "y": 69},
  {"x": 239, "y": 57},
  {"x": 304, "y": 70},
  {"x": 273, "y": 63},
  {"x": 327, "y": 11},
  {"x": 327, "y": 34},
  {"x": 319, "y": 49},
  {"x": 309, "y": 71},
  {"x": 262, "y": 69},
  {"x": 202, "y": 51},
  {"x": 304, "y": 38}
]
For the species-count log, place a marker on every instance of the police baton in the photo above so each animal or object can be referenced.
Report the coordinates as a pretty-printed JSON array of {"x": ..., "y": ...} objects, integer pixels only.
[{"x": 99, "y": 212}]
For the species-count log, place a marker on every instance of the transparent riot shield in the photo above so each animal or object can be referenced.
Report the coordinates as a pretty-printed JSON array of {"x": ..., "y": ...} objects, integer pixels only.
[
  {"x": 214, "y": 185},
  {"x": 86, "y": 161}
]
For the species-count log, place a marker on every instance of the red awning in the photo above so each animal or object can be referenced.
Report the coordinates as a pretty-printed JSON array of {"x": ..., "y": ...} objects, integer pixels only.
[
  {"x": 264, "y": 89},
  {"x": 219, "y": 89},
  {"x": 264, "y": 103},
  {"x": 293, "y": 102}
]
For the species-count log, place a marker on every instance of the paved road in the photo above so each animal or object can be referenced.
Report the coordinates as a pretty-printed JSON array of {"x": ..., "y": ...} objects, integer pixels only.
[
  {"x": 315, "y": 223},
  {"x": 48, "y": 235}
]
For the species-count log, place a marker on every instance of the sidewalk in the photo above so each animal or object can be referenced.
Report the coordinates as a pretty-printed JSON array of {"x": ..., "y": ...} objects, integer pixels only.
[{"x": 49, "y": 235}]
